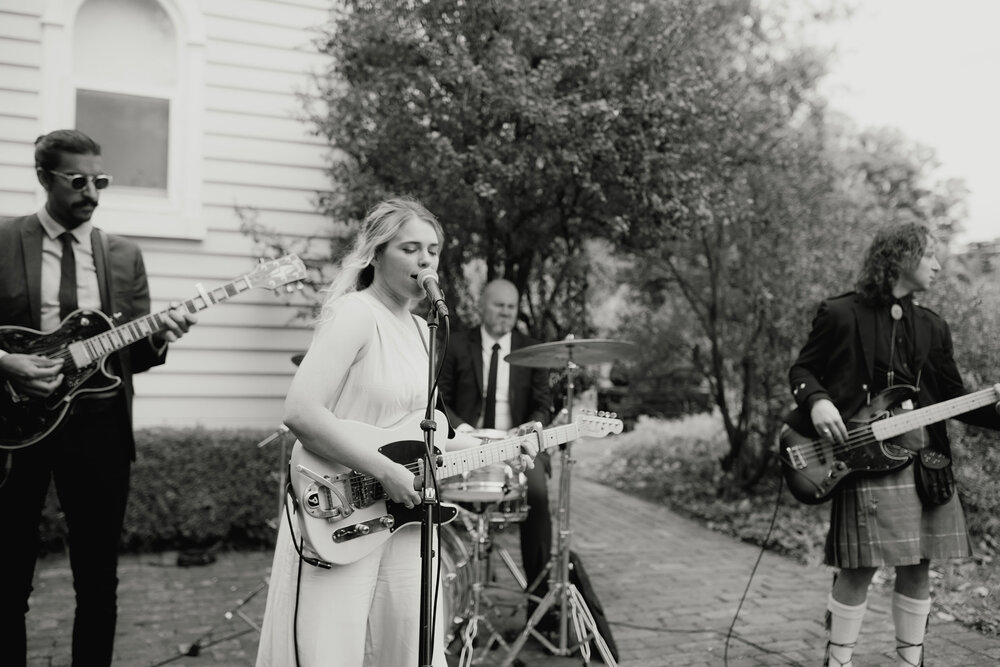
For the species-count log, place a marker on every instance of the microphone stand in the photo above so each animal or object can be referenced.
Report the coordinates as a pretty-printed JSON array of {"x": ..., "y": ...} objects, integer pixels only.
[{"x": 429, "y": 505}]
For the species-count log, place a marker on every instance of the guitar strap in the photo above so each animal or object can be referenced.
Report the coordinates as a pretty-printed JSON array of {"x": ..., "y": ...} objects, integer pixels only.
[
  {"x": 103, "y": 268},
  {"x": 420, "y": 332},
  {"x": 439, "y": 402}
]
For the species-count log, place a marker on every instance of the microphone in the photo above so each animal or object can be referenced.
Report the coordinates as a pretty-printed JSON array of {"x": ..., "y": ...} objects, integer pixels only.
[{"x": 428, "y": 279}]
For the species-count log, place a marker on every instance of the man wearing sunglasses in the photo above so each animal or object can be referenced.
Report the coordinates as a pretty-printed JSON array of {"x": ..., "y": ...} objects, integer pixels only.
[{"x": 51, "y": 263}]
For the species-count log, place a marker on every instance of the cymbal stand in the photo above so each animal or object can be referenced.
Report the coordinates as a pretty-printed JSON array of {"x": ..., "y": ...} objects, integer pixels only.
[{"x": 572, "y": 606}]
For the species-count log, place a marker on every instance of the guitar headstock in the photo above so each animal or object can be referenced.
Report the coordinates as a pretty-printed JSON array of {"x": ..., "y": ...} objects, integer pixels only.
[
  {"x": 597, "y": 424},
  {"x": 274, "y": 273}
]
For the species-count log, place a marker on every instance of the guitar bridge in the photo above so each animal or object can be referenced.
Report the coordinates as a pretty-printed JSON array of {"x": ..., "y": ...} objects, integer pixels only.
[{"x": 324, "y": 499}]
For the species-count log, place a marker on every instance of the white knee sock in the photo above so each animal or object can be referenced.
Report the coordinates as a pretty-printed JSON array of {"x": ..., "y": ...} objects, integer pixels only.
[
  {"x": 845, "y": 626},
  {"x": 910, "y": 618}
]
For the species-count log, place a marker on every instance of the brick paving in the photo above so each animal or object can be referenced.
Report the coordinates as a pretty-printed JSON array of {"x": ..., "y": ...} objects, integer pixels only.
[{"x": 669, "y": 586}]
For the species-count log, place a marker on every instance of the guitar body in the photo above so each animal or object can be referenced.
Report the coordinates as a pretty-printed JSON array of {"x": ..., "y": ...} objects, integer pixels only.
[
  {"x": 345, "y": 514},
  {"x": 85, "y": 340},
  {"x": 348, "y": 521},
  {"x": 25, "y": 419},
  {"x": 814, "y": 467}
]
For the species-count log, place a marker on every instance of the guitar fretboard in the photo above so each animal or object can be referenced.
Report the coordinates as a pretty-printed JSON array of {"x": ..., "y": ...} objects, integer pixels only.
[
  {"x": 908, "y": 421},
  {"x": 89, "y": 350},
  {"x": 467, "y": 460}
]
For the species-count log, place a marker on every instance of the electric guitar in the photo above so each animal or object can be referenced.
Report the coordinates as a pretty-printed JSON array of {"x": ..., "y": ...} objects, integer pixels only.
[
  {"x": 86, "y": 338},
  {"x": 877, "y": 441},
  {"x": 346, "y": 514}
]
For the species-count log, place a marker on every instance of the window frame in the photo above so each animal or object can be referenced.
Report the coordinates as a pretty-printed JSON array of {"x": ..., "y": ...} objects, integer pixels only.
[{"x": 178, "y": 214}]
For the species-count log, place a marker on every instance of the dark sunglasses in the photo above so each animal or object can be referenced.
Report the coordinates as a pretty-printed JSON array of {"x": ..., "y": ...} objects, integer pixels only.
[{"x": 79, "y": 181}]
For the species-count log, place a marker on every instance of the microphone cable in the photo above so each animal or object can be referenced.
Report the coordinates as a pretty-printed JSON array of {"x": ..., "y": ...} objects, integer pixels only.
[{"x": 753, "y": 571}]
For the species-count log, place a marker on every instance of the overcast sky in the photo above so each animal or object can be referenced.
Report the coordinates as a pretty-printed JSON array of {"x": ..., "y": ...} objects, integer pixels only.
[{"x": 932, "y": 69}]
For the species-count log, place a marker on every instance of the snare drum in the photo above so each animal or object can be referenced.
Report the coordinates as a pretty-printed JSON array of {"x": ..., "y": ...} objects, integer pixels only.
[
  {"x": 491, "y": 484},
  {"x": 496, "y": 488}
]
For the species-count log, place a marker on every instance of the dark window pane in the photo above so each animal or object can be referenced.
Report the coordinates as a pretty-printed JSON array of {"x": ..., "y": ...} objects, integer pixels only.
[{"x": 133, "y": 134}]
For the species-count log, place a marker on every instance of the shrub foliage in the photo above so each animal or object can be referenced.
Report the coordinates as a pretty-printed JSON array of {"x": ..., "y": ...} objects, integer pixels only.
[{"x": 193, "y": 488}]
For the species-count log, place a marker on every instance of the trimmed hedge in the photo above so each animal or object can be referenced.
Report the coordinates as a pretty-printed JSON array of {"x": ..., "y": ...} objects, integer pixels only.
[{"x": 194, "y": 488}]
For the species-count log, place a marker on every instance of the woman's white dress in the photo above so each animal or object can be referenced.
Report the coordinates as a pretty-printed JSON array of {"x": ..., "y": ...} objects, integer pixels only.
[{"x": 364, "y": 614}]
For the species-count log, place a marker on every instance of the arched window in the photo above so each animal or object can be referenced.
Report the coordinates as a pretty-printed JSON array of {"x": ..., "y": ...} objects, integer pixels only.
[
  {"x": 126, "y": 86},
  {"x": 129, "y": 73}
]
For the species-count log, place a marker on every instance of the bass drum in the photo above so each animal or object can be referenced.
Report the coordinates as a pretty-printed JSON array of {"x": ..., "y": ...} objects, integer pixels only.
[{"x": 456, "y": 584}]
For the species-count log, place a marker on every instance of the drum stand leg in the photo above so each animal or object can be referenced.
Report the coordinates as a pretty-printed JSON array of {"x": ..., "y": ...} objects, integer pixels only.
[
  {"x": 511, "y": 564},
  {"x": 562, "y": 592},
  {"x": 482, "y": 547}
]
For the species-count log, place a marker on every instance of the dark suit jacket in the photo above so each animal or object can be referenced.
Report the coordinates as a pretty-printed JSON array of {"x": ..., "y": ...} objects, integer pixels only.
[
  {"x": 121, "y": 277},
  {"x": 838, "y": 362},
  {"x": 461, "y": 382}
]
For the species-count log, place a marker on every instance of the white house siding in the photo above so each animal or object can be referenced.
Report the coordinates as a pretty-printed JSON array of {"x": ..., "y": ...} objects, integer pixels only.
[{"x": 234, "y": 368}]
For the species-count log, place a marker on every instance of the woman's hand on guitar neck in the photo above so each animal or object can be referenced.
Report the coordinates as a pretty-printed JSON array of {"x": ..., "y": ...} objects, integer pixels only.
[
  {"x": 530, "y": 450},
  {"x": 32, "y": 374},
  {"x": 827, "y": 420}
]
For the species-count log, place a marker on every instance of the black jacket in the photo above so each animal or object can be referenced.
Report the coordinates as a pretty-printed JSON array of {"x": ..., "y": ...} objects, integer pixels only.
[{"x": 838, "y": 361}]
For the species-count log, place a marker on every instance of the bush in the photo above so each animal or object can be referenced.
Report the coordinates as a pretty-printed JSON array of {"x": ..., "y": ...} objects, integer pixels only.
[{"x": 193, "y": 488}]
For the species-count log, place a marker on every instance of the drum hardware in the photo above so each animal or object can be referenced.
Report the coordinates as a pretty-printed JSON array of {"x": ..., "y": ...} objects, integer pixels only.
[
  {"x": 489, "y": 499},
  {"x": 475, "y": 618},
  {"x": 562, "y": 593}
]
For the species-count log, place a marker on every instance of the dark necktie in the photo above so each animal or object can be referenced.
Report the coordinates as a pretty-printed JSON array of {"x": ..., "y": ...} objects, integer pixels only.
[
  {"x": 67, "y": 277},
  {"x": 490, "y": 407}
]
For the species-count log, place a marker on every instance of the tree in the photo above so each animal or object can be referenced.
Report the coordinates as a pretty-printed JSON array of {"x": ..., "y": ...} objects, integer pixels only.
[{"x": 530, "y": 126}]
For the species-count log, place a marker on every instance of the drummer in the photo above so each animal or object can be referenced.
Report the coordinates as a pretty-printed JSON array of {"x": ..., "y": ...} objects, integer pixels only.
[{"x": 482, "y": 391}]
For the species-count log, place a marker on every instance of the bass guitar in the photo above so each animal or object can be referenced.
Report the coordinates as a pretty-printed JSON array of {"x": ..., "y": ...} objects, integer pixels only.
[
  {"x": 86, "y": 338},
  {"x": 877, "y": 441},
  {"x": 346, "y": 514}
]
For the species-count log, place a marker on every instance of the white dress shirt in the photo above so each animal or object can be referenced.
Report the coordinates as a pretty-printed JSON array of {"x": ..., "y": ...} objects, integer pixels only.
[
  {"x": 503, "y": 418},
  {"x": 88, "y": 294}
]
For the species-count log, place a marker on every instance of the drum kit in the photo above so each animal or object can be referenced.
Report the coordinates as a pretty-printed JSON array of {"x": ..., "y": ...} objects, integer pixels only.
[{"x": 494, "y": 498}]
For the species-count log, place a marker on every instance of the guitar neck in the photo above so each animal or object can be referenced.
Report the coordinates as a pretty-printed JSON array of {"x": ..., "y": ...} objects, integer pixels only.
[
  {"x": 909, "y": 421},
  {"x": 467, "y": 460},
  {"x": 124, "y": 335}
]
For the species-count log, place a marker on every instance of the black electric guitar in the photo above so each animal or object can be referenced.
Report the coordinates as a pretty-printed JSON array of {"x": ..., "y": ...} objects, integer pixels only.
[
  {"x": 346, "y": 514},
  {"x": 86, "y": 338},
  {"x": 878, "y": 440}
]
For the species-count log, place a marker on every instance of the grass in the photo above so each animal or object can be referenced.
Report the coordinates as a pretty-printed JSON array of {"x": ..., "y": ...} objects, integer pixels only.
[{"x": 676, "y": 463}]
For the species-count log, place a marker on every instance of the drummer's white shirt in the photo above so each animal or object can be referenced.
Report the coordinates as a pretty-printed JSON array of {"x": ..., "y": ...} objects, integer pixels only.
[{"x": 503, "y": 418}]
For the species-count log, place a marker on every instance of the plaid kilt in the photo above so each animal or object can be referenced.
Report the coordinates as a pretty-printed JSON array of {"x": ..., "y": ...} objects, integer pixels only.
[{"x": 878, "y": 520}]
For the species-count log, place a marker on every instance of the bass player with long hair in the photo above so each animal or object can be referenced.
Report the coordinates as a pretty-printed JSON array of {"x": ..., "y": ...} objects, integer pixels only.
[{"x": 862, "y": 343}]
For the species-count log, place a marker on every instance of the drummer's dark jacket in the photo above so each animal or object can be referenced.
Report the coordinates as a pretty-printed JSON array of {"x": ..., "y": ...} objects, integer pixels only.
[
  {"x": 838, "y": 361},
  {"x": 461, "y": 382}
]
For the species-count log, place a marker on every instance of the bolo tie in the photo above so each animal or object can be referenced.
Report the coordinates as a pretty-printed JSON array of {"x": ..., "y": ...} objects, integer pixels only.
[{"x": 896, "y": 312}]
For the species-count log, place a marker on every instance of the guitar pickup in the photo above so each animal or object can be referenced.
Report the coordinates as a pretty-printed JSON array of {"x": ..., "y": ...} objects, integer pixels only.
[
  {"x": 795, "y": 458},
  {"x": 378, "y": 524}
]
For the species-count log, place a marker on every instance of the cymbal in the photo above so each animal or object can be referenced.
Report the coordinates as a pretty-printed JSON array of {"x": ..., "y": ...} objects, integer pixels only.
[{"x": 580, "y": 351}]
